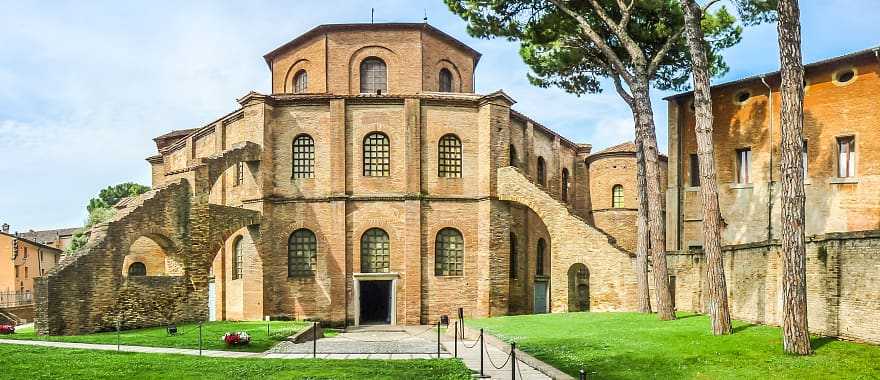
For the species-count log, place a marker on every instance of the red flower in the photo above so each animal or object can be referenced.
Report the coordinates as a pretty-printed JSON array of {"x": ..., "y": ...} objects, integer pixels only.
[{"x": 7, "y": 329}]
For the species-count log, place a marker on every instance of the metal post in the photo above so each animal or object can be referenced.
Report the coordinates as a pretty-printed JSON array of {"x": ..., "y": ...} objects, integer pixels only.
[
  {"x": 461, "y": 319},
  {"x": 268, "y": 333},
  {"x": 117, "y": 335},
  {"x": 513, "y": 360},
  {"x": 482, "y": 374},
  {"x": 455, "y": 341},
  {"x": 582, "y": 375},
  {"x": 314, "y": 340},
  {"x": 200, "y": 338},
  {"x": 438, "y": 339}
]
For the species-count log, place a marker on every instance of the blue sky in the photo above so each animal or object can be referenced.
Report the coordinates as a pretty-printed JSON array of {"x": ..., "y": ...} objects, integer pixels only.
[{"x": 85, "y": 86}]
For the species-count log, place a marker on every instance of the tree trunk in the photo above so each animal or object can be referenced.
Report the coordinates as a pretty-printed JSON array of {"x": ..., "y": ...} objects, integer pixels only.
[
  {"x": 646, "y": 141},
  {"x": 717, "y": 298},
  {"x": 642, "y": 241},
  {"x": 795, "y": 333}
]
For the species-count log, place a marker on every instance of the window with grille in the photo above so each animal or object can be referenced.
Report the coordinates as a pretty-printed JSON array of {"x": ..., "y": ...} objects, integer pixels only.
[
  {"x": 542, "y": 173},
  {"x": 743, "y": 165},
  {"x": 300, "y": 82},
  {"x": 846, "y": 151},
  {"x": 695, "y": 170},
  {"x": 137, "y": 269},
  {"x": 514, "y": 265},
  {"x": 239, "y": 173},
  {"x": 617, "y": 196},
  {"x": 373, "y": 76},
  {"x": 449, "y": 160},
  {"x": 445, "y": 80},
  {"x": 565, "y": 185},
  {"x": 377, "y": 155},
  {"x": 514, "y": 160},
  {"x": 303, "y": 157},
  {"x": 539, "y": 260},
  {"x": 375, "y": 251},
  {"x": 449, "y": 253},
  {"x": 237, "y": 259},
  {"x": 302, "y": 253}
]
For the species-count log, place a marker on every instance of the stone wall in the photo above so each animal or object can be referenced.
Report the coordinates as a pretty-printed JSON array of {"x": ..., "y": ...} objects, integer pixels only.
[{"x": 843, "y": 289}]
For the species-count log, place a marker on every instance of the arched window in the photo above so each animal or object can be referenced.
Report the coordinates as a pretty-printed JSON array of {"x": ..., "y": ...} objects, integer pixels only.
[
  {"x": 617, "y": 196},
  {"x": 137, "y": 269},
  {"x": 300, "y": 81},
  {"x": 514, "y": 160},
  {"x": 373, "y": 76},
  {"x": 237, "y": 259},
  {"x": 445, "y": 80},
  {"x": 377, "y": 155},
  {"x": 539, "y": 260},
  {"x": 375, "y": 251},
  {"x": 449, "y": 253},
  {"x": 303, "y": 157},
  {"x": 564, "y": 184},
  {"x": 542, "y": 173},
  {"x": 302, "y": 253},
  {"x": 449, "y": 160},
  {"x": 514, "y": 265}
]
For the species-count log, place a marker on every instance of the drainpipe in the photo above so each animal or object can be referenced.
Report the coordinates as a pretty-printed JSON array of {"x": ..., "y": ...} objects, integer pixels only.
[{"x": 770, "y": 180}]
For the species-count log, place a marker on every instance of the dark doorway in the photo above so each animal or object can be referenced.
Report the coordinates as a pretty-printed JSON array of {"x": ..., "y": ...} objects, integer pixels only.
[{"x": 375, "y": 300}]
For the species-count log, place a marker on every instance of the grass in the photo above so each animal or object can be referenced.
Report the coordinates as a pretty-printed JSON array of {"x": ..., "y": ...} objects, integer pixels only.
[
  {"x": 187, "y": 336},
  {"x": 638, "y": 346},
  {"x": 27, "y": 362}
]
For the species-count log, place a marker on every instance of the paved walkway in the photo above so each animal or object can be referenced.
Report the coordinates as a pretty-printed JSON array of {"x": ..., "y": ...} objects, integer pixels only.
[
  {"x": 143, "y": 349},
  {"x": 495, "y": 361}
]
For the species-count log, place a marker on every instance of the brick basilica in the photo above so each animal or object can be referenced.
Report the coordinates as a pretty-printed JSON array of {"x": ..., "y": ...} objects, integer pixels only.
[{"x": 373, "y": 185}]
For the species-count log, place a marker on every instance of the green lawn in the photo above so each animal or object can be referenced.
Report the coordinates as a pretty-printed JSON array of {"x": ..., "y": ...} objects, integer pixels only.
[
  {"x": 27, "y": 362},
  {"x": 638, "y": 346},
  {"x": 187, "y": 336}
]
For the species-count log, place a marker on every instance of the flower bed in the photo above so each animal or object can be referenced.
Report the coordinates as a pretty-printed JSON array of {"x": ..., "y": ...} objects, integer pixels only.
[
  {"x": 7, "y": 329},
  {"x": 236, "y": 339}
]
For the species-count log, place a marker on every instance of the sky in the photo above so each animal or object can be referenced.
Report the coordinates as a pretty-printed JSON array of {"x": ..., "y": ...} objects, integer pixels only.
[{"x": 85, "y": 86}]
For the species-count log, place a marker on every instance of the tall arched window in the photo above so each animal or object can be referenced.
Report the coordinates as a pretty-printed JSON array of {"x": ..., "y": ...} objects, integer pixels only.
[
  {"x": 300, "y": 81},
  {"x": 375, "y": 251},
  {"x": 449, "y": 253},
  {"x": 514, "y": 160},
  {"x": 514, "y": 265},
  {"x": 303, "y": 157},
  {"x": 374, "y": 76},
  {"x": 617, "y": 196},
  {"x": 237, "y": 258},
  {"x": 449, "y": 160},
  {"x": 564, "y": 184},
  {"x": 302, "y": 253},
  {"x": 539, "y": 260},
  {"x": 137, "y": 269},
  {"x": 445, "y": 80},
  {"x": 542, "y": 172},
  {"x": 377, "y": 155}
]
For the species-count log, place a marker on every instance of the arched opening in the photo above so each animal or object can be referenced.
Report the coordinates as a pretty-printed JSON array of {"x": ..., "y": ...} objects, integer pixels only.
[
  {"x": 565, "y": 185},
  {"x": 542, "y": 172},
  {"x": 445, "y": 80},
  {"x": 374, "y": 76},
  {"x": 617, "y": 196},
  {"x": 150, "y": 255},
  {"x": 578, "y": 288},
  {"x": 375, "y": 251},
  {"x": 449, "y": 157},
  {"x": 514, "y": 160},
  {"x": 377, "y": 155},
  {"x": 449, "y": 253},
  {"x": 300, "y": 82},
  {"x": 303, "y": 157},
  {"x": 235, "y": 279}
]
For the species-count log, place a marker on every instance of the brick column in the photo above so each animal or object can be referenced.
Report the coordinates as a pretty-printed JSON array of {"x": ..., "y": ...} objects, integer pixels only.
[{"x": 409, "y": 311}]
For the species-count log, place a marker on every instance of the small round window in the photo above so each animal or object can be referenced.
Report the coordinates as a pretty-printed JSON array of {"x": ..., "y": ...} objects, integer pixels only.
[
  {"x": 742, "y": 97},
  {"x": 844, "y": 76}
]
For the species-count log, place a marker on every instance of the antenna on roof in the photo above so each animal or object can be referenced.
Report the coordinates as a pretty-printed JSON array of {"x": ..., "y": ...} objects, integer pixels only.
[
  {"x": 426, "y": 16},
  {"x": 372, "y": 15}
]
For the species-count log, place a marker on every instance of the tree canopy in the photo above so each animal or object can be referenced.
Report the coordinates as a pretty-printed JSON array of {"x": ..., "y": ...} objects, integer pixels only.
[{"x": 101, "y": 209}]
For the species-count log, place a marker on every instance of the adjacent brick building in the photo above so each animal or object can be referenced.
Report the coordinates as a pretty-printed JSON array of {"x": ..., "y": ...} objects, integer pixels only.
[
  {"x": 21, "y": 261},
  {"x": 372, "y": 186},
  {"x": 841, "y": 119}
]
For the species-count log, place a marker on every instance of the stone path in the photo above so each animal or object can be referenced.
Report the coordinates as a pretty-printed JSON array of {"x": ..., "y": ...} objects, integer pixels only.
[{"x": 469, "y": 352}]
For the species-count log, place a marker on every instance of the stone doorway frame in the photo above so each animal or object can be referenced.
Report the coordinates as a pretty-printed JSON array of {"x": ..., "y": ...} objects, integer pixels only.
[{"x": 392, "y": 303}]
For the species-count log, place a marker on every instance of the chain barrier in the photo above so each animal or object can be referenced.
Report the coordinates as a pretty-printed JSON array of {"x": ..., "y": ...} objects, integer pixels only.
[
  {"x": 518, "y": 368},
  {"x": 506, "y": 360}
]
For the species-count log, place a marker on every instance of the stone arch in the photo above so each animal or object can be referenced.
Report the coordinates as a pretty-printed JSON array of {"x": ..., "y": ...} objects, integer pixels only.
[
  {"x": 574, "y": 240},
  {"x": 392, "y": 67},
  {"x": 237, "y": 298},
  {"x": 301, "y": 64},
  {"x": 156, "y": 253},
  {"x": 453, "y": 69},
  {"x": 578, "y": 287}
]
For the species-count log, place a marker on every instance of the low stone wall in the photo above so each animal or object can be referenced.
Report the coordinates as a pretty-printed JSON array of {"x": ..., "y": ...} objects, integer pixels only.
[{"x": 843, "y": 283}]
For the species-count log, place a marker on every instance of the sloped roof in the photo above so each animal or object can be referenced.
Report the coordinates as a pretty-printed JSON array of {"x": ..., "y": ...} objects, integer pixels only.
[
  {"x": 627, "y": 147},
  {"x": 321, "y": 29},
  {"x": 47, "y": 235}
]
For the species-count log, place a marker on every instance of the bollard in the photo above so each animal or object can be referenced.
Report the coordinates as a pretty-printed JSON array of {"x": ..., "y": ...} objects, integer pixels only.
[
  {"x": 438, "y": 340},
  {"x": 117, "y": 336},
  {"x": 582, "y": 375},
  {"x": 455, "y": 341},
  {"x": 482, "y": 374},
  {"x": 513, "y": 360},
  {"x": 268, "y": 333},
  {"x": 200, "y": 338},
  {"x": 314, "y": 340},
  {"x": 461, "y": 319}
]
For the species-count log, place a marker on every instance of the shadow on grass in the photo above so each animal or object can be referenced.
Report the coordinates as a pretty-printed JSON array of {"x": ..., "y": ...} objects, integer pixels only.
[
  {"x": 686, "y": 316},
  {"x": 820, "y": 341},
  {"x": 743, "y": 327}
]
